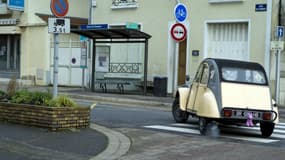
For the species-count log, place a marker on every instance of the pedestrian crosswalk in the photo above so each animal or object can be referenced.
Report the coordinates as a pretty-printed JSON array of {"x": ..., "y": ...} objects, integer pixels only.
[{"x": 251, "y": 134}]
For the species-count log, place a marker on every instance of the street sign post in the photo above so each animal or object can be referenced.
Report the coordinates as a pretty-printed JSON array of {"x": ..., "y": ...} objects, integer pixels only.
[
  {"x": 178, "y": 32},
  {"x": 59, "y": 25},
  {"x": 279, "y": 46},
  {"x": 59, "y": 8},
  {"x": 280, "y": 31},
  {"x": 180, "y": 12}
]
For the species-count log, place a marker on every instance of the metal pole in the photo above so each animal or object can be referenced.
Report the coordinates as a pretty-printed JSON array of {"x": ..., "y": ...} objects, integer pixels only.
[
  {"x": 175, "y": 64},
  {"x": 55, "y": 65},
  {"x": 277, "y": 76},
  {"x": 145, "y": 66},
  {"x": 90, "y": 48}
]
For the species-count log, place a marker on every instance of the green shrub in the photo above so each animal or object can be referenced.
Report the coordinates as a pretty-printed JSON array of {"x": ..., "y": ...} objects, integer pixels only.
[
  {"x": 62, "y": 101},
  {"x": 2, "y": 95},
  {"x": 41, "y": 98},
  {"x": 21, "y": 97},
  {"x": 35, "y": 98}
]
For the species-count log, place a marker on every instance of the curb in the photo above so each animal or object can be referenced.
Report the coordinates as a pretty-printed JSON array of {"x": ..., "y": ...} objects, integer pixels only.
[
  {"x": 119, "y": 100},
  {"x": 118, "y": 144}
]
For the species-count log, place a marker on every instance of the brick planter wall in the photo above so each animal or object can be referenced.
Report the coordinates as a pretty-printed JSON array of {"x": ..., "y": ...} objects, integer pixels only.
[{"x": 54, "y": 118}]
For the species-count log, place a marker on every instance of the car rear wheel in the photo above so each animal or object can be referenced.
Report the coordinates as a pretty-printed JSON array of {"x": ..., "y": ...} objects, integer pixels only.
[
  {"x": 179, "y": 115},
  {"x": 203, "y": 122},
  {"x": 266, "y": 128}
]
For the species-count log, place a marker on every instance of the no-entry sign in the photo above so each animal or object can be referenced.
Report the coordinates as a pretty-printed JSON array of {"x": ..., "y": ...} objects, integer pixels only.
[
  {"x": 59, "y": 7},
  {"x": 178, "y": 32}
]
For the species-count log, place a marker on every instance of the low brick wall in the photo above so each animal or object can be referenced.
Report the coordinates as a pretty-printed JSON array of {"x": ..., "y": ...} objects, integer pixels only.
[{"x": 54, "y": 118}]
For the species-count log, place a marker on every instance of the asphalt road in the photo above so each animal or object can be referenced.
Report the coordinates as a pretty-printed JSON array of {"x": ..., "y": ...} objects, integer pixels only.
[{"x": 155, "y": 135}]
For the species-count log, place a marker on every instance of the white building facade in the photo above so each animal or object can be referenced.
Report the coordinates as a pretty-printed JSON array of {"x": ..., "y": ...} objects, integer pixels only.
[{"x": 26, "y": 47}]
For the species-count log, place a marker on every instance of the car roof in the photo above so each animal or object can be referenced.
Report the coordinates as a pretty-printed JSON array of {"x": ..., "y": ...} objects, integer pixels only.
[{"x": 235, "y": 63}]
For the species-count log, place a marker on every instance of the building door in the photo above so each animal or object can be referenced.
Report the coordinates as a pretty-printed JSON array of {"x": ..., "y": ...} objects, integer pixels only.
[
  {"x": 228, "y": 40},
  {"x": 69, "y": 68},
  {"x": 182, "y": 62},
  {"x": 10, "y": 56}
]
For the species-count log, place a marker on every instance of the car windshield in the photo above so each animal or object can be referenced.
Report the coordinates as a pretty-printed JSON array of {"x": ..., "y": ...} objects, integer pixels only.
[{"x": 243, "y": 75}]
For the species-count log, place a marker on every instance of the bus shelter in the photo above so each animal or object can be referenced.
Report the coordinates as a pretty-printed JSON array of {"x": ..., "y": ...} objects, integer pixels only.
[{"x": 109, "y": 36}]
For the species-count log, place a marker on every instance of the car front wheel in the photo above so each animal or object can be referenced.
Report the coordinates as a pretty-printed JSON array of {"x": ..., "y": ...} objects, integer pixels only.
[
  {"x": 266, "y": 128},
  {"x": 179, "y": 115}
]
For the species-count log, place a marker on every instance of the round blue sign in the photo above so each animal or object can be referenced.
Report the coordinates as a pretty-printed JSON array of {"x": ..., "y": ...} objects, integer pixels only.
[{"x": 180, "y": 12}]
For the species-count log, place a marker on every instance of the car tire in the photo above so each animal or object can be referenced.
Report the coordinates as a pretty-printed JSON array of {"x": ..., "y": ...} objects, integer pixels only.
[
  {"x": 179, "y": 115},
  {"x": 203, "y": 122},
  {"x": 266, "y": 128}
]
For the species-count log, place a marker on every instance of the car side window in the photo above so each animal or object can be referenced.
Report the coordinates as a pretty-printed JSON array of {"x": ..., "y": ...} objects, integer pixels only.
[
  {"x": 205, "y": 75},
  {"x": 198, "y": 74}
]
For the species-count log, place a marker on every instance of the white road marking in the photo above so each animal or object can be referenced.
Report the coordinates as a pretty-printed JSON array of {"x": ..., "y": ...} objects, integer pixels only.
[
  {"x": 252, "y": 139},
  {"x": 175, "y": 129},
  {"x": 193, "y": 131},
  {"x": 279, "y": 131}
]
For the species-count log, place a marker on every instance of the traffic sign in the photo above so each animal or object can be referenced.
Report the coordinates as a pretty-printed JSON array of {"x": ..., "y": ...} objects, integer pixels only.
[
  {"x": 277, "y": 45},
  {"x": 280, "y": 31},
  {"x": 59, "y": 25},
  {"x": 59, "y": 8},
  {"x": 180, "y": 12},
  {"x": 178, "y": 32}
]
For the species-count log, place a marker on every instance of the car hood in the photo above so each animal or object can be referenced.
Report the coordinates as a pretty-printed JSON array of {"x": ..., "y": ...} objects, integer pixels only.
[{"x": 246, "y": 96}]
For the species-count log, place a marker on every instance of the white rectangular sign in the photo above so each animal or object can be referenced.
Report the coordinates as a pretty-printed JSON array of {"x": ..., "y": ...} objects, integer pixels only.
[
  {"x": 58, "y": 25},
  {"x": 277, "y": 45}
]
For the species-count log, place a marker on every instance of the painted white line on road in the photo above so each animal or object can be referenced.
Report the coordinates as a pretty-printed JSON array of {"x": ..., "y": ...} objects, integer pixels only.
[
  {"x": 185, "y": 125},
  {"x": 276, "y": 130},
  {"x": 252, "y": 139},
  {"x": 176, "y": 129},
  {"x": 192, "y": 131},
  {"x": 274, "y": 135},
  {"x": 280, "y": 123}
]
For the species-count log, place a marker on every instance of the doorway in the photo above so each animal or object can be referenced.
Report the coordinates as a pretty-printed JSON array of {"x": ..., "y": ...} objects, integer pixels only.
[{"x": 182, "y": 62}]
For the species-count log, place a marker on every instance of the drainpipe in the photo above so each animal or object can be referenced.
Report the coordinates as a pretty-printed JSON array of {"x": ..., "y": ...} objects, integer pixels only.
[{"x": 279, "y": 13}]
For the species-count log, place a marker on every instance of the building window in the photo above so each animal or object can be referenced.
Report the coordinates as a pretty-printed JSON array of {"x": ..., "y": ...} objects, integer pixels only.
[
  {"x": 9, "y": 56},
  {"x": 120, "y": 4},
  {"x": 3, "y": 1}
]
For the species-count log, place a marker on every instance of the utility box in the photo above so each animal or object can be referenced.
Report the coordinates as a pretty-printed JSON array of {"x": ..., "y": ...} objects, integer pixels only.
[{"x": 160, "y": 86}]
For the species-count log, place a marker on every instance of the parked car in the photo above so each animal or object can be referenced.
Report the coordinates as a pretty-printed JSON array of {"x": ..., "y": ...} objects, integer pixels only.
[{"x": 228, "y": 92}]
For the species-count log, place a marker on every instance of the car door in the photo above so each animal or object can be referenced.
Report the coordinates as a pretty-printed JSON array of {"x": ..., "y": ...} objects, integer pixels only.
[
  {"x": 194, "y": 88},
  {"x": 202, "y": 87}
]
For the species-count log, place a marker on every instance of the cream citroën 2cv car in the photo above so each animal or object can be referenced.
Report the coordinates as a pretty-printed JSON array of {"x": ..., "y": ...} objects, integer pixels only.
[{"x": 228, "y": 92}]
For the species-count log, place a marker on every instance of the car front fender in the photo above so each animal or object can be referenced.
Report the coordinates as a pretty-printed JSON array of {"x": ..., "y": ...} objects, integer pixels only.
[{"x": 183, "y": 94}]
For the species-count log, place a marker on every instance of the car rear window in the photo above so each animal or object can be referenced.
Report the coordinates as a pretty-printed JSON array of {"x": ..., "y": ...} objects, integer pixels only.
[{"x": 243, "y": 75}]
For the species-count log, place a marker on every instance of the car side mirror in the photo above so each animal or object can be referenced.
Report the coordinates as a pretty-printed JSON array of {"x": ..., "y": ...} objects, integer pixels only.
[{"x": 187, "y": 78}]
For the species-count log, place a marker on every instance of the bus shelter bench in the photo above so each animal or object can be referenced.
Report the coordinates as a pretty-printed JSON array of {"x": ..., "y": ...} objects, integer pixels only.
[{"x": 120, "y": 84}]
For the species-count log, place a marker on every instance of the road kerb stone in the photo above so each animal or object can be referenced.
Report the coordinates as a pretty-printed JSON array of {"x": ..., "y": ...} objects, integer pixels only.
[{"x": 118, "y": 144}]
